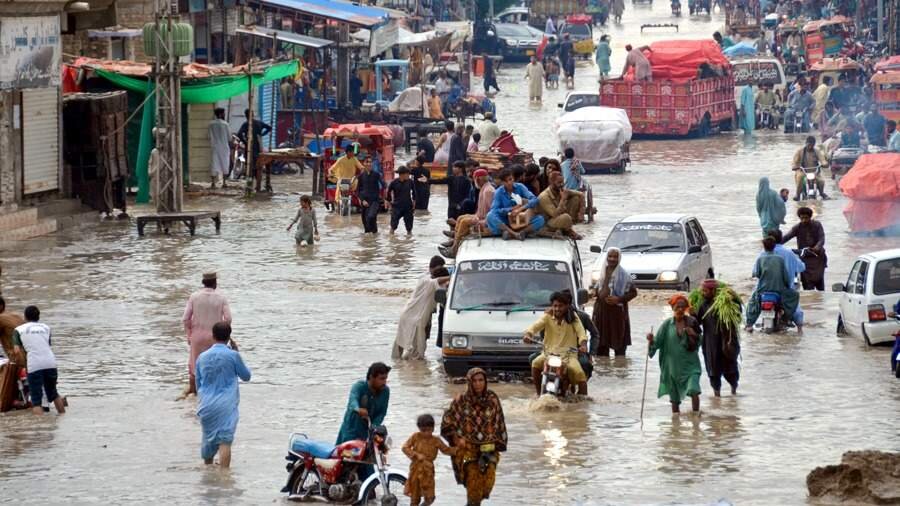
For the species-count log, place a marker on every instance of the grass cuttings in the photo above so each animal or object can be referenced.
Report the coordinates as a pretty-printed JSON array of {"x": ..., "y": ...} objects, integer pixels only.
[{"x": 726, "y": 306}]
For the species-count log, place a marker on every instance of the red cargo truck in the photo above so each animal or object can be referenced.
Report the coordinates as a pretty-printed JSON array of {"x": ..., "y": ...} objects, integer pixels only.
[{"x": 677, "y": 103}]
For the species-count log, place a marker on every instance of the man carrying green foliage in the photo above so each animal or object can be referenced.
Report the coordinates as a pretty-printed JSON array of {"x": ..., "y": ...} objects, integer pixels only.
[{"x": 719, "y": 311}]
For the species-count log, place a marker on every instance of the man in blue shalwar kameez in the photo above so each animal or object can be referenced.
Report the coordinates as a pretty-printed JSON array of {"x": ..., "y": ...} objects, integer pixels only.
[
  {"x": 217, "y": 373},
  {"x": 368, "y": 402}
]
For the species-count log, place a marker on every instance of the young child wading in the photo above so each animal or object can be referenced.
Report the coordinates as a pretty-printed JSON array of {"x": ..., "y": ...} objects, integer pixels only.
[
  {"x": 307, "y": 229},
  {"x": 422, "y": 448}
]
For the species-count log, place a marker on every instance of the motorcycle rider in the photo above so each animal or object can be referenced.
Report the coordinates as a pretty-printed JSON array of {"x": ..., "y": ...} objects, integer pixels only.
[
  {"x": 768, "y": 101},
  {"x": 562, "y": 330},
  {"x": 799, "y": 102},
  {"x": 809, "y": 157},
  {"x": 772, "y": 277}
]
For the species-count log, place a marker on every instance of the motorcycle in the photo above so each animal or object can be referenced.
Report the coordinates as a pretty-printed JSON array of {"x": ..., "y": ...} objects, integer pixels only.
[
  {"x": 553, "y": 379},
  {"x": 767, "y": 119},
  {"x": 346, "y": 199},
  {"x": 810, "y": 189},
  {"x": 323, "y": 472},
  {"x": 676, "y": 7},
  {"x": 795, "y": 121},
  {"x": 238, "y": 158},
  {"x": 772, "y": 312}
]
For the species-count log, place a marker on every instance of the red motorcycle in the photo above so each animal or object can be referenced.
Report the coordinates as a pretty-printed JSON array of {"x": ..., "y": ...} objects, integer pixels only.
[{"x": 323, "y": 472}]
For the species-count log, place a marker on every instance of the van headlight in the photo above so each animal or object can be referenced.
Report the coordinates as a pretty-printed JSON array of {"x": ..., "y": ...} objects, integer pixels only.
[
  {"x": 459, "y": 341},
  {"x": 668, "y": 276}
]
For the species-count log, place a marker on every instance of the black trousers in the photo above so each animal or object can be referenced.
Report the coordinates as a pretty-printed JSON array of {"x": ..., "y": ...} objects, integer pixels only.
[
  {"x": 402, "y": 212},
  {"x": 370, "y": 217}
]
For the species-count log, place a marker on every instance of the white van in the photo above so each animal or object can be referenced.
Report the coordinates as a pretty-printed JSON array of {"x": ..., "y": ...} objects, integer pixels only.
[
  {"x": 756, "y": 71},
  {"x": 498, "y": 289}
]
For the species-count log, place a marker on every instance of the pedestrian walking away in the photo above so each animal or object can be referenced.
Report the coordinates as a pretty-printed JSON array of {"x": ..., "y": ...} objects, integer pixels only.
[
  {"x": 205, "y": 308},
  {"x": 220, "y": 148},
  {"x": 769, "y": 206},
  {"x": 33, "y": 339},
  {"x": 218, "y": 370}
]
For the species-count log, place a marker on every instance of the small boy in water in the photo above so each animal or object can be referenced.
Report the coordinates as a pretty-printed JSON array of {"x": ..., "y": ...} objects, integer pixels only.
[
  {"x": 308, "y": 229},
  {"x": 422, "y": 448}
]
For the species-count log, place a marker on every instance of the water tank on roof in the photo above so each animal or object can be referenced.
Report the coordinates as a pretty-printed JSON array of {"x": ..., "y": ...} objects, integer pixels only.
[{"x": 182, "y": 34}]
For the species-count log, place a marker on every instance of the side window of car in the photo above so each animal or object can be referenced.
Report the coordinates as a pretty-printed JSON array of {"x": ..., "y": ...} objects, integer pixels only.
[
  {"x": 698, "y": 233},
  {"x": 850, "y": 287},
  {"x": 688, "y": 229},
  {"x": 861, "y": 278}
]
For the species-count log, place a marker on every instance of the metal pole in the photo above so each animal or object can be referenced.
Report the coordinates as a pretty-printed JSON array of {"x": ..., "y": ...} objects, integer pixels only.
[
  {"x": 491, "y": 9},
  {"x": 880, "y": 20}
]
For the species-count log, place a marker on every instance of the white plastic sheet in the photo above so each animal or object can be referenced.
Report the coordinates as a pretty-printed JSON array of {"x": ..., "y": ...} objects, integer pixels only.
[
  {"x": 597, "y": 134},
  {"x": 410, "y": 100}
]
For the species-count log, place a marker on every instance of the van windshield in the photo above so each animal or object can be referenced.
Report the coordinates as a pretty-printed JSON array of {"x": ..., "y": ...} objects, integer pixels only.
[
  {"x": 508, "y": 284},
  {"x": 644, "y": 237}
]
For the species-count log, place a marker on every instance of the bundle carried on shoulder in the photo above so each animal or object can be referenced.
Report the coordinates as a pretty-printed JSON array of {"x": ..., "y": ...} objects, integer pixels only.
[{"x": 726, "y": 307}]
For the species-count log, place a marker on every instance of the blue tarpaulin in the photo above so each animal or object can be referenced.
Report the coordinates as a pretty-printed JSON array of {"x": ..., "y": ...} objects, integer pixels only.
[{"x": 742, "y": 48}]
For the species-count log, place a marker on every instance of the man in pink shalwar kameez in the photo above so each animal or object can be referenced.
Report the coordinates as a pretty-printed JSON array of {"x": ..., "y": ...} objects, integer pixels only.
[{"x": 205, "y": 308}]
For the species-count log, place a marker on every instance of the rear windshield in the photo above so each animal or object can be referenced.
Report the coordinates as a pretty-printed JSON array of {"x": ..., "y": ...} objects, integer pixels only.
[
  {"x": 579, "y": 101},
  {"x": 508, "y": 284},
  {"x": 645, "y": 237},
  {"x": 887, "y": 277},
  {"x": 577, "y": 30}
]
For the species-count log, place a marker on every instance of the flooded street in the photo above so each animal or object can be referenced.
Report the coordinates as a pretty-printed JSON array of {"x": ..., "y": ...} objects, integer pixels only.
[{"x": 309, "y": 322}]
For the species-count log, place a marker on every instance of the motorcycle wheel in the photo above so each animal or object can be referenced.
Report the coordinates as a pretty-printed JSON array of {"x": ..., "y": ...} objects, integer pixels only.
[
  {"x": 376, "y": 496},
  {"x": 303, "y": 487}
]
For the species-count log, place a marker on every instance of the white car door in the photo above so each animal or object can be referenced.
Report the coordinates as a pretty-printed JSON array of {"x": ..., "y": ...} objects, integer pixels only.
[
  {"x": 858, "y": 303},
  {"x": 692, "y": 270},
  {"x": 847, "y": 309},
  {"x": 705, "y": 264}
]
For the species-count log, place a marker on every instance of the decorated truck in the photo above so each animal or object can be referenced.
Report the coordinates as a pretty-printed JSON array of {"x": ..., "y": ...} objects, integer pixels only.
[{"x": 692, "y": 91}]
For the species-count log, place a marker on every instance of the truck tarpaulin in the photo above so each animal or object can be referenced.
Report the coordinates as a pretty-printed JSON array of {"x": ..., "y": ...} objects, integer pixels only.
[
  {"x": 873, "y": 187},
  {"x": 679, "y": 60}
]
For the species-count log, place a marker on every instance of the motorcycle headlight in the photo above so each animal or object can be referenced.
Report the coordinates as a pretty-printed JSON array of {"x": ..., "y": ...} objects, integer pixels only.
[
  {"x": 668, "y": 276},
  {"x": 554, "y": 361},
  {"x": 459, "y": 341}
]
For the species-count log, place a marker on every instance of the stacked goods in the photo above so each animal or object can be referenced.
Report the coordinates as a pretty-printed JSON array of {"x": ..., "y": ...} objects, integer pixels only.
[
  {"x": 682, "y": 60},
  {"x": 495, "y": 160}
]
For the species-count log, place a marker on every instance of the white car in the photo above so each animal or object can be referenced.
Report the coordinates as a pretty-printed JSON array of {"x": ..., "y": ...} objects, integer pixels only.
[
  {"x": 871, "y": 290},
  {"x": 659, "y": 251}
]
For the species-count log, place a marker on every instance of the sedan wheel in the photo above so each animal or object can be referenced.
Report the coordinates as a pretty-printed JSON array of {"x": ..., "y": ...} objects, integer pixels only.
[{"x": 841, "y": 331}]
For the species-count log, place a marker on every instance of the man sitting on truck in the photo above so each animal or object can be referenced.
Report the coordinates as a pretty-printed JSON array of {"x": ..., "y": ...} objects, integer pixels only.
[
  {"x": 511, "y": 203},
  {"x": 560, "y": 206},
  {"x": 563, "y": 333}
]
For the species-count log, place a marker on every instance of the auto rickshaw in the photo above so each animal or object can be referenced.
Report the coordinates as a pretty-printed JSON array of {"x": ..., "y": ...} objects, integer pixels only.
[
  {"x": 834, "y": 68},
  {"x": 579, "y": 27},
  {"x": 886, "y": 87},
  {"x": 793, "y": 57},
  {"x": 372, "y": 144},
  {"x": 826, "y": 37}
]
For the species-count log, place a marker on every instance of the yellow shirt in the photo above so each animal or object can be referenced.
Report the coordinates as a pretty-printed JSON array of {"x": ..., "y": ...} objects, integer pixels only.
[
  {"x": 434, "y": 108},
  {"x": 559, "y": 336},
  {"x": 345, "y": 168}
]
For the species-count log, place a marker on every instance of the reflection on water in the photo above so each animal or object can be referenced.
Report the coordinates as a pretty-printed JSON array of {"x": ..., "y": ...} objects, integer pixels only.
[{"x": 311, "y": 320}]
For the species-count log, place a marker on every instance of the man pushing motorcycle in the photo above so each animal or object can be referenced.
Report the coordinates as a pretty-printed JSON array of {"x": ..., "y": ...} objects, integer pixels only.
[{"x": 563, "y": 332}]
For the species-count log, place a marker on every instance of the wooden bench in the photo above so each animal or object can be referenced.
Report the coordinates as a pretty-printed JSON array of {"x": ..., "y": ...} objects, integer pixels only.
[{"x": 188, "y": 218}]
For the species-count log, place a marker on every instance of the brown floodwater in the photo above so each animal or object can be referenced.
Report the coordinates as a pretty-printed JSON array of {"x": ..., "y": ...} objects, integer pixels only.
[{"x": 310, "y": 321}]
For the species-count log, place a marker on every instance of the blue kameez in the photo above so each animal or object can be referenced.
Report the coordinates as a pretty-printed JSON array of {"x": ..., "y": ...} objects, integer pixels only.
[
  {"x": 217, "y": 372},
  {"x": 361, "y": 396}
]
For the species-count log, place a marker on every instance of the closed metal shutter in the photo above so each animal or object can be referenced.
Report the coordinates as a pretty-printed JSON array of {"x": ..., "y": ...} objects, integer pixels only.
[{"x": 40, "y": 140}]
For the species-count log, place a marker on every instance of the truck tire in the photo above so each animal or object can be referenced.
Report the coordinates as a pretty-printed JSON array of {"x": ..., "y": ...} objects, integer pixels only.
[{"x": 704, "y": 128}]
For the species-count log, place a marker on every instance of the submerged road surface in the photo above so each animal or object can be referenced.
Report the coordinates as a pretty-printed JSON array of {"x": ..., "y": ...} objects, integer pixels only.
[{"x": 310, "y": 321}]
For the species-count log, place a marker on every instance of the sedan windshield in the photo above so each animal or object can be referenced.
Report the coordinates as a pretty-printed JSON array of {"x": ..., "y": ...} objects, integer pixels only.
[
  {"x": 508, "y": 284},
  {"x": 515, "y": 31},
  {"x": 646, "y": 237}
]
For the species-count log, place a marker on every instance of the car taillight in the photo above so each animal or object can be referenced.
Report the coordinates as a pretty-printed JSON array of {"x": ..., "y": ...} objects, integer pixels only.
[
  {"x": 768, "y": 306},
  {"x": 876, "y": 313}
]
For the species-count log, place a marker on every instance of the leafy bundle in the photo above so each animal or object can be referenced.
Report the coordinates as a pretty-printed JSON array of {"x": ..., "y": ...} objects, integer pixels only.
[{"x": 726, "y": 306}]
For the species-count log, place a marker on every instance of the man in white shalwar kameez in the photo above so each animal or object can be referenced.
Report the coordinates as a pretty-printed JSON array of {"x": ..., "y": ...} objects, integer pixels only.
[
  {"x": 220, "y": 148},
  {"x": 412, "y": 329},
  {"x": 534, "y": 72}
]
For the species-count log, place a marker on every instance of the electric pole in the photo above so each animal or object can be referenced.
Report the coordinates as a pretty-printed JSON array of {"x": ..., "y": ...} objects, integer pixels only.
[{"x": 167, "y": 74}]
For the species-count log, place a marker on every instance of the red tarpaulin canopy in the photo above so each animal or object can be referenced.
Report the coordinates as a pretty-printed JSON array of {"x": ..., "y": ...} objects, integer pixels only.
[
  {"x": 873, "y": 186},
  {"x": 680, "y": 59}
]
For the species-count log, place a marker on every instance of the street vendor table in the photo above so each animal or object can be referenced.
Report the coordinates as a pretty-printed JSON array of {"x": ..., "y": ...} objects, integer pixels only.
[
  {"x": 189, "y": 218},
  {"x": 284, "y": 155}
]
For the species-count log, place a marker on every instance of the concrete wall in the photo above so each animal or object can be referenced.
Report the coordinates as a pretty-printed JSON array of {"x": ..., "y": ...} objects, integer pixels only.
[
  {"x": 10, "y": 146},
  {"x": 135, "y": 14}
]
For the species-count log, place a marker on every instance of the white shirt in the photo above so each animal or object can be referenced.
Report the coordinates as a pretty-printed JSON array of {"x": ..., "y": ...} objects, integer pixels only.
[
  {"x": 35, "y": 339},
  {"x": 442, "y": 86}
]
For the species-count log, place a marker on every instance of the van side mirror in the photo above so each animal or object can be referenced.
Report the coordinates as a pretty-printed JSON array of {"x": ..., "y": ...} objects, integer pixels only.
[
  {"x": 559, "y": 105},
  {"x": 440, "y": 296},
  {"x": 695, "y": 249},
  {"x": 596, "y": 249},
  {"x": 583, "y": 296},
  {"x": 838, "y": 287}
]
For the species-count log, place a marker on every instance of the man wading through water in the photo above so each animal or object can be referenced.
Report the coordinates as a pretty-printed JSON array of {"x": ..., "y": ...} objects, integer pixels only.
[
  {"x": 721, "y": 345},
  {"x": 368, "y": 403},
  {"x": 613, "y": 292},
  {"x": 205, "y": 308}
]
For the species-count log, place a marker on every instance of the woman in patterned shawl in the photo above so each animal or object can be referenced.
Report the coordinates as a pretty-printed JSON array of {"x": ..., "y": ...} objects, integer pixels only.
[{"x": 474, "y": 424}]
